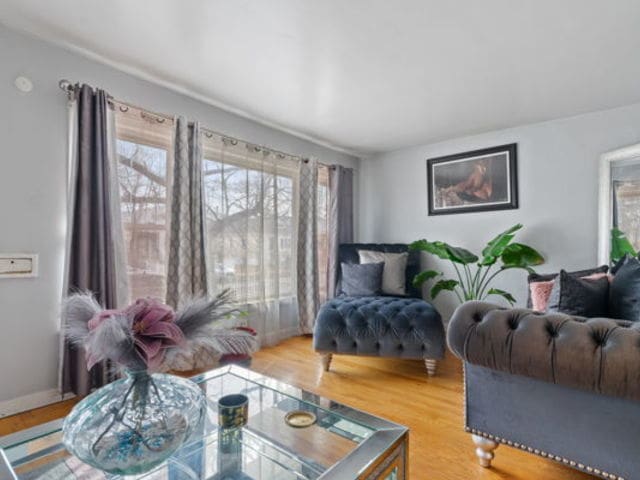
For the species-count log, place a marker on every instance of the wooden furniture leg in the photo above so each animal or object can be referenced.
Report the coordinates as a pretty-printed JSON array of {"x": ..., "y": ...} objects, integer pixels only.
[
  {"x": 431, "y": 365},
  {"x": 484, "y": 450},
  {"x": 326, "y": 361}
]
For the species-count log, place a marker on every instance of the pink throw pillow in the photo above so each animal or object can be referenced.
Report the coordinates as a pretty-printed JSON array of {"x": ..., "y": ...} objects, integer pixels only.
[
  {"x": 598, "y": 276},
  {"x": 540, "y": 292}
]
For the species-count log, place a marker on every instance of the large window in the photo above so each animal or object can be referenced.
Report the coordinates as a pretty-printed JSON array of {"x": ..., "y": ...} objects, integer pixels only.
[
  {"x": 250, "y": 206},
  {"x": 249, "y": 210},
  {"x": 144, "y": 155},
  {"x": 625, "y": 180}
]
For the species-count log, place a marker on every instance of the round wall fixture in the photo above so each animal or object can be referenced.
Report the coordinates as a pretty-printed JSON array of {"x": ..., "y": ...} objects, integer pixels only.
[{"x": 23, "y": 84}]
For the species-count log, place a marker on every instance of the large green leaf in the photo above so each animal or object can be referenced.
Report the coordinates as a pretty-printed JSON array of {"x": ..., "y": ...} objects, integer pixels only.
[
  {"x": 445, "y": 251},
  {"x": 443, "y": 285},
  {"x": 435, "y": 248},
  {"x": 620, "y": 245},
  {"x": 422, "y": 277},
  {"x": 460, "y": 255},
  {"x": 518, "y": 255},
  {"x": 496, "y": 291},
  {"x": 496, "y": 246}
]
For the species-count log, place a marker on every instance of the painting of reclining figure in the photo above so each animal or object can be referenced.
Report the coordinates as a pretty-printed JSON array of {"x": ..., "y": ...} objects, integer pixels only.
[{"x": 475, "y": 181}]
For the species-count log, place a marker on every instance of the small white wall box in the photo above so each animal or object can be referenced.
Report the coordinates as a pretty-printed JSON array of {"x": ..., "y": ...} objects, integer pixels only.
[{"x": 18, "y": 265}]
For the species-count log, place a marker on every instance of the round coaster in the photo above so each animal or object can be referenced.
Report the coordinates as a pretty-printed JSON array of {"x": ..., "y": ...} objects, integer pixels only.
[{"x": 300, "y": 419}]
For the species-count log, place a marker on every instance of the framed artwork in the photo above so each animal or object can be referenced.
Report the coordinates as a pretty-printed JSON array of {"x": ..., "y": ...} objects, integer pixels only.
[{"x": 476, "y": 181}]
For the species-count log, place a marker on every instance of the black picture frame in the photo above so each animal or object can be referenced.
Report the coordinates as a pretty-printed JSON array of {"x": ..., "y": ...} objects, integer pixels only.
[{"x": 493, "y": 174}]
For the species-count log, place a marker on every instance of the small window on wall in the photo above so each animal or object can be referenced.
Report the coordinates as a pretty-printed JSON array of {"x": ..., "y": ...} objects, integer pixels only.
[
  {"x": 144, "y": 149},
  {"x": 625, "y": 182}
]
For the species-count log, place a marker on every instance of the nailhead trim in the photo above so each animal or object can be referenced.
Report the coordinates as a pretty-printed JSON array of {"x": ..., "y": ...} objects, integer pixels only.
[
  {"x": 535, "y": 451},
  {"x": 544, "y": 454}
]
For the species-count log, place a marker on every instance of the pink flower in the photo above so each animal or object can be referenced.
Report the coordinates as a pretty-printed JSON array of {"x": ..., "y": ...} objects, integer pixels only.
[{"x": 154, "y": 330}]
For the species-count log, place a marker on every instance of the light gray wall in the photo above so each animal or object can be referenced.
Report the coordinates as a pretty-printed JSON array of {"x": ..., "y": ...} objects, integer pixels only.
[
  {"x": 558, "y": 188},
  {"x": 33, "y": 130}
]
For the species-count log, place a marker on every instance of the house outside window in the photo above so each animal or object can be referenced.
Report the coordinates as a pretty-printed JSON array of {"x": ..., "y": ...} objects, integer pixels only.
[{"x": 144, "y": 149}]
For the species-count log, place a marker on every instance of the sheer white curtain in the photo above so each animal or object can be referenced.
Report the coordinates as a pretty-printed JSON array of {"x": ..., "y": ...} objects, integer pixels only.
[{"x": 249, "y": 199}]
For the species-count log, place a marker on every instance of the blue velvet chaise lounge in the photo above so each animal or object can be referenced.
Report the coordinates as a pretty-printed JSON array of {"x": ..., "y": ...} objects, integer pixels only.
[{"x": 380, "y": 326}]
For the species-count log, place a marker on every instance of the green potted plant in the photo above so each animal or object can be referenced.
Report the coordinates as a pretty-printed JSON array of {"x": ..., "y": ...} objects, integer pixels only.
[
  {"x": 620, "y": 246},
  {"x": 475, "y": 274}
]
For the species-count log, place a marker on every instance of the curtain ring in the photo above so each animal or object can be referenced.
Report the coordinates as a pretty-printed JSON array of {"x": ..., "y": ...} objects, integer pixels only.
[{"x": 123, "y": 108}]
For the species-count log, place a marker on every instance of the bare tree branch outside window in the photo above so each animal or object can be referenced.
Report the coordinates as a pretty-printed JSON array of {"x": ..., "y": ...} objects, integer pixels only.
[
  {"x": 142, "y": 172},
  {"x": 249, "y": 210}
]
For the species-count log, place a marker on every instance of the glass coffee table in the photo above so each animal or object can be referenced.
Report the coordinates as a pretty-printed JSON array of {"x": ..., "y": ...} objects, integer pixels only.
[{"x": 343, "y": 443}]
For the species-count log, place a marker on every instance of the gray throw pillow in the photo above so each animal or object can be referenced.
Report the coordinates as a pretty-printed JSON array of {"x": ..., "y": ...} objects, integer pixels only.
[
  {"x": 394, "y": 273},
  {"x": 362, "y": 280},
  {"x": 578, "y": 296},
  {"x": 624, "y": 293}
]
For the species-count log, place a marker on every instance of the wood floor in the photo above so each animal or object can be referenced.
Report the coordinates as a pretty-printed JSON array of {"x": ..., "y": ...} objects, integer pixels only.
[{"x": 398, "y": 390}]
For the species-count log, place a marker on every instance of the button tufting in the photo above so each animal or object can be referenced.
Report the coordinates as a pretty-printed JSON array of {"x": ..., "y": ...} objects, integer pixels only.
[{"x": 599, "y": 339}]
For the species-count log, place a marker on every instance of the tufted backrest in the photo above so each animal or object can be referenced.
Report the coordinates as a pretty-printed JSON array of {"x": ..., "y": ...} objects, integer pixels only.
[
  {"x": 597, "y": 354},
  {"x": 348, "y": 253}
]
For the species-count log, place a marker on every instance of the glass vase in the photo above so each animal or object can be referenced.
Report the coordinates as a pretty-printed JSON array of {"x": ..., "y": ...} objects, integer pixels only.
[{"x": 134, "y": 424}]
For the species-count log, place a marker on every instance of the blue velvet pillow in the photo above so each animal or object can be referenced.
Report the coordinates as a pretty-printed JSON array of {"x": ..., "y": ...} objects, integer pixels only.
[{"x": 362, "y": 280}]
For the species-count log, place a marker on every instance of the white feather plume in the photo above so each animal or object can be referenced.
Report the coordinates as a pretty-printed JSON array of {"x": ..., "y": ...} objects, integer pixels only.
[
  {"x": 114, "y": 340},
  {"x": 231, "y": 341},
  {"x": 77, "y": 310}
]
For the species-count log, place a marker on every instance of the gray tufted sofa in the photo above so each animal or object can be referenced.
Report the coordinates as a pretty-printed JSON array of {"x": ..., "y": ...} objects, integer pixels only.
[
  {"x": 381, "y": 326},
  {"x": 565, "y": 388}
]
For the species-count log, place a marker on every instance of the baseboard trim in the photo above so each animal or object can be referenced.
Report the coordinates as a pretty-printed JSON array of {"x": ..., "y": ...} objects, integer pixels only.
[{"x": 31, "y": 401}]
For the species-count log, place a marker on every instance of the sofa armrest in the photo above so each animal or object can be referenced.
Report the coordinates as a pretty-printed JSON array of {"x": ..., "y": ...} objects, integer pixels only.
[{"x": 599, "y": 354}]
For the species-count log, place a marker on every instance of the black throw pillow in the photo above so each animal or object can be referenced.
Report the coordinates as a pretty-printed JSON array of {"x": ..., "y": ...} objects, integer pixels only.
[
  {"x": 577, "y": 296},
  {"x": 545, "y": 277},
  {"x": 624, "y": 294},
  {"x": 359, "y": 280},
  {"x": 618, "y": 265}
]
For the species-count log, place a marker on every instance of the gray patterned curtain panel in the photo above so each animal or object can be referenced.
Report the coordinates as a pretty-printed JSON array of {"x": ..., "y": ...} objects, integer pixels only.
[
  {"x": 187, "y": 272},
  {"x": 340, "y": 219},
  {"x": 307, "y": 254}
]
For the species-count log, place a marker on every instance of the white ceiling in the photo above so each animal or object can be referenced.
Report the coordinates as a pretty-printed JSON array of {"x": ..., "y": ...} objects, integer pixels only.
[{"x": 366, "y": 75}]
